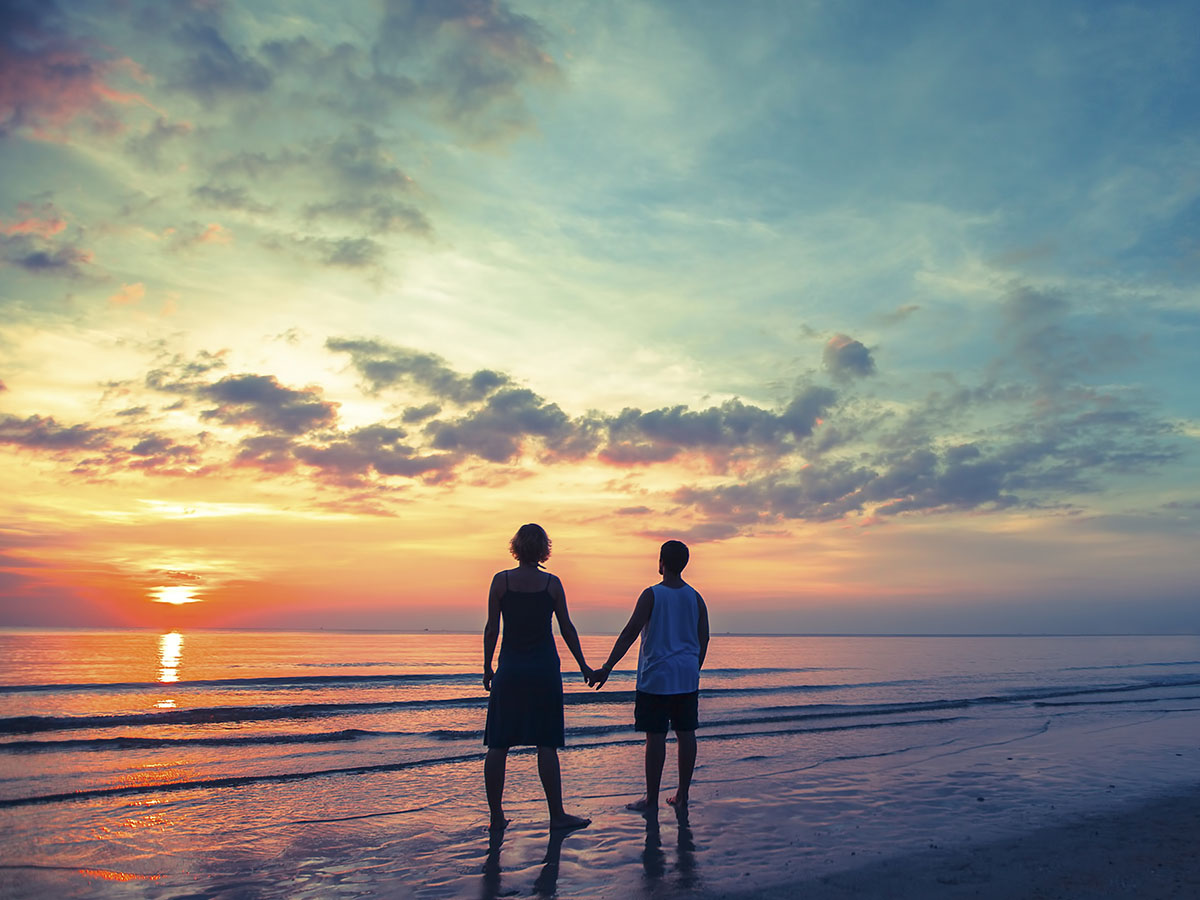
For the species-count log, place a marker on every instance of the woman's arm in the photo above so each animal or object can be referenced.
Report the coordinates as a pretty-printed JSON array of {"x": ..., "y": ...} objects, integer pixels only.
[
  {"x": 565, "y": 627},
  {"x": 491, "y": 631}
]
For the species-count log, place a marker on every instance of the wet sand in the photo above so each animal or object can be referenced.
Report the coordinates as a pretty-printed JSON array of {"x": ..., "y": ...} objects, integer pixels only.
[{"x": 1147, "y": 851}]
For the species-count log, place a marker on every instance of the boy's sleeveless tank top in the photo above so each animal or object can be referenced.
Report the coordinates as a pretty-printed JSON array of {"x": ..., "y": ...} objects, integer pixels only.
[{"x": 669, "y": 658}]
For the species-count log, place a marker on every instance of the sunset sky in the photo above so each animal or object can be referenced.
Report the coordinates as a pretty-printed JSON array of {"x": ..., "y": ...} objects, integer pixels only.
[{"x": 889, "y": 310}]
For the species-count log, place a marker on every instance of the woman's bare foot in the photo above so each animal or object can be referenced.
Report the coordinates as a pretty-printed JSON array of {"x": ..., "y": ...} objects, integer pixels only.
[
  {"x": 565, "y": 822},
  {"x": 678, "y": 800},
  {"x": 498, "y": 823}
]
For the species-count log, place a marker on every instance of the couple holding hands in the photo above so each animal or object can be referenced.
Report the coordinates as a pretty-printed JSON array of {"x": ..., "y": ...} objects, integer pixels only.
[{"x": 525, "y": 706}]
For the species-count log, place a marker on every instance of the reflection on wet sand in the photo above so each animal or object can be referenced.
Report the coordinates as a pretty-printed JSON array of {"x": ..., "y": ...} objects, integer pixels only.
[
  {"x": 491, "y": 865},
  {"x": 546, "y": 883},
  {"x": 654, "y": 860}
]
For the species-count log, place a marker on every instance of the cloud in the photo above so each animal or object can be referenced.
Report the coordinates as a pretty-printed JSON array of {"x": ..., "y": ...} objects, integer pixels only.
[
  {"x": 178, "y": 375},
  {"x": 701, "y": 533},
  {"x": 148, "y": 147},
  {"x": 344, "y": 252},
  {"x": 899, "y": 314},
  {"x": 633, "y": 511},
  {"x": 128, "y": 294},
  {"x": 25, "y": 252},
  {"x": 846, "y": 358},
  {"x": 215, "y": 70},
  {"x": 262, "y": 401},
  {"x": 45, "y": 433},
  {"x": 43, "y": 221},
  {"x": 497, "y": 431},
  {"x": 162, "y": 455},
  {"x": 470, "y": 60},
  {"x": 375, "y": 448},
  {"x": 196, "y": 234},
  {"x": 233, "y": 198},
  {"x": 37, "y": 243},
  {"x": 348, "y": 459},
  {"x": 49, "y": 80},
  {"x": 383, "y": 365},
  {"x": 1049, "y": 340},
  {"x": 379, "y": 214},
  {"x": 420, "y": 413},
  {"x": 270, "y": 452},
  {"x": 636, "y": 437}
]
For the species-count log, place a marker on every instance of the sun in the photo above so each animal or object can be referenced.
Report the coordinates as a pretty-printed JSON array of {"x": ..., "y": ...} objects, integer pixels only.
[{"x": 175, "y": 594}]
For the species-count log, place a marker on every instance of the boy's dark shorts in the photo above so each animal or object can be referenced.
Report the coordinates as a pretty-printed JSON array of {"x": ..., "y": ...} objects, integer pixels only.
[{"x": 659, "y": 713}]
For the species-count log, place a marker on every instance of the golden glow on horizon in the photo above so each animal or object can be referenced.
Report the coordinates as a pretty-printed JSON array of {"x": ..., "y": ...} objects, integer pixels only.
[
  {"x": 175, "y": 594},
  {"x": 170, "y": 648}
]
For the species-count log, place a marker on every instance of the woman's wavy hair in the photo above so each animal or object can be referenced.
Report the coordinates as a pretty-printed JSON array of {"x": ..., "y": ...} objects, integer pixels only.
[{"x": 530, "y": 544}]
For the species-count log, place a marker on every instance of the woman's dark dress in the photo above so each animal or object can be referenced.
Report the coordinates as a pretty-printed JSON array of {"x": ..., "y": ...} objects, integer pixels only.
[{"x": 526, "y": 703}]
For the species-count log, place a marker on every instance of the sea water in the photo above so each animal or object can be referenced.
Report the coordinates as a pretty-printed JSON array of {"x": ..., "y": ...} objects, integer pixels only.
[{"x": 204, "y": 763}]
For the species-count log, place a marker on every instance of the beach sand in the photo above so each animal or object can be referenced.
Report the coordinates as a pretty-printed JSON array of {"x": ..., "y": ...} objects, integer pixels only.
[
  {"x": 1149, "y": 851},
  {"x": 1086, "y": 806}
]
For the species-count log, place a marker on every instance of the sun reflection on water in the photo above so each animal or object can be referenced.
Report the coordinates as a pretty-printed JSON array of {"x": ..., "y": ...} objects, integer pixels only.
[
  {"x": 170, "y": 648},
  {"x": 108, "y": 875}
]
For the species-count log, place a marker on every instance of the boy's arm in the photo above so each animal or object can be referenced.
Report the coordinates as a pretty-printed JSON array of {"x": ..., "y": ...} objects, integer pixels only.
[
  {"x": 702, "y": 628},
  {"x": 637, "y": 621}
]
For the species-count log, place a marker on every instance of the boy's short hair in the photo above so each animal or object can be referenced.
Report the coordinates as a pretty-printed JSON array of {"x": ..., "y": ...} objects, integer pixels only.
[{"x": 674, "y": 555}]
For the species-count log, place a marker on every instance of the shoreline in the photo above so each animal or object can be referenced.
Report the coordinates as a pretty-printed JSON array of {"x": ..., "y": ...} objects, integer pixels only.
[{"x": 1148, "y": 850}]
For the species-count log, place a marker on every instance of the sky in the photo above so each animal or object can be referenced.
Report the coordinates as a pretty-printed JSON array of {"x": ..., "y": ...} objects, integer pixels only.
[{"x": 890, "y": 311}]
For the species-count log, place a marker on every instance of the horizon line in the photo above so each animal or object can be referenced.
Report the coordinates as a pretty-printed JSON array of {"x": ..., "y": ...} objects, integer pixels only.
[{"x": 715, "y": 634}]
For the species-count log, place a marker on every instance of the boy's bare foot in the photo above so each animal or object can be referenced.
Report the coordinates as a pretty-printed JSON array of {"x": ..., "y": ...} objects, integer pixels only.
[
  {"x": 642, "y": 806},
  {"x": 498, "y": 823},
  {"x": 565, "y": 822},
  {"x": 678, "y": 800}
]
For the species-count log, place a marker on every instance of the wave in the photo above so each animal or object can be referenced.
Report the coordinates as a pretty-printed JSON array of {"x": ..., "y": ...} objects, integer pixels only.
[
  {"x": 256, "y": 713},
  {"x": 398, "y": 679},
  {"x": 240, "y": 714},
  {"x": 1182, "y": 662},
  {"x": 233, "y": 781}
]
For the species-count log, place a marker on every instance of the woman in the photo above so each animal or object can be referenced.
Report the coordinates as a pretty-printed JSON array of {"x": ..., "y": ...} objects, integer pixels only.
[{"x": 526, "y": 702}]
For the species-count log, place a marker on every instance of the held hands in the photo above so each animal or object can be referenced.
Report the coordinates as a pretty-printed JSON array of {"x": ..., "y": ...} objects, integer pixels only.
[
  {"x": 596, "y": 677},
  {"x": 487, "y": 678}
]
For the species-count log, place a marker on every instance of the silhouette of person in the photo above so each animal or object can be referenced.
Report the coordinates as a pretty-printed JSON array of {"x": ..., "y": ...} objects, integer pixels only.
[
  {"x": 525, "y": 706},
  {"x": 672, "y": 619}
]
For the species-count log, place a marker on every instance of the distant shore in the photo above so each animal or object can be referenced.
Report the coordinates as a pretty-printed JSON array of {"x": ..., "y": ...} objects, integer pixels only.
[{"x": 1148, "y": 851}]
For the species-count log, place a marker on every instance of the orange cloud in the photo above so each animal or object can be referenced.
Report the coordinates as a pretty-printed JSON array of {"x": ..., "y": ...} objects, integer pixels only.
[
  {"x": 128, "y": 294},
  {"x": 214, "y": 234},
  {"x": 42, "y": 222}
]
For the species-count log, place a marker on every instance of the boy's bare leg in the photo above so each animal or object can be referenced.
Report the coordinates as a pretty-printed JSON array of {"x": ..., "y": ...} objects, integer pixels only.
[
  {"x": 656, "y": 755},
  {"x": 493, "y": 782},
  {"x": 551, "y": 775},
  {"x": 687, "y": 764}
]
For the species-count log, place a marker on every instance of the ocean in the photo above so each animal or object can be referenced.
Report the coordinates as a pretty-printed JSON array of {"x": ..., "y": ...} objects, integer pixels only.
[{"x": 287, "y": 764}]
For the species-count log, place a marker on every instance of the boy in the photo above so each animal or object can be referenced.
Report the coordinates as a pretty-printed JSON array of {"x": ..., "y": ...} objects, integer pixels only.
[{"x": 673, "y": 622}]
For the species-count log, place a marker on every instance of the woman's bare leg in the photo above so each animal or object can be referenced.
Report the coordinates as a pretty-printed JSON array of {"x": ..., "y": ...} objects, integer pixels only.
[
  {"x": 493, "y": 782},
  {"x": 551, "y": 775}
]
